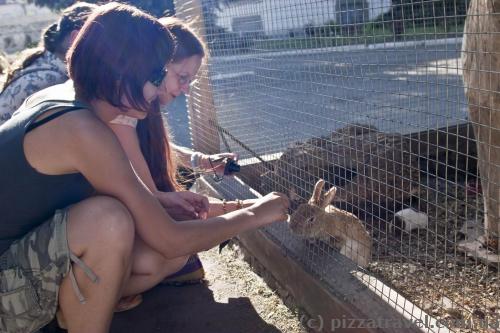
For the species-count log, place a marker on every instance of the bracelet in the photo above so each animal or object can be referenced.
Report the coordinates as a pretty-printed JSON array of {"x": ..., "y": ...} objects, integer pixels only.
[
  {"x": 239, "y": 204},
  {"x": 224, "y": 206}
]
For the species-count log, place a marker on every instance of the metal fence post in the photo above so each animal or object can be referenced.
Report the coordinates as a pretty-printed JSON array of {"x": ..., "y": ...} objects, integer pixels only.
[{"x": 481, "y": 68}]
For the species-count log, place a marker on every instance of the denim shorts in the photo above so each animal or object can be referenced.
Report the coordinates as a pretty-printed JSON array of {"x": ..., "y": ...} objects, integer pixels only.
[{"x": 31, "y": 271}]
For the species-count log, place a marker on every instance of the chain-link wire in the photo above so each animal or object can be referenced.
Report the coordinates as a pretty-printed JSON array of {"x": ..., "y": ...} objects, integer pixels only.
[{"x": 389, "y": 101}]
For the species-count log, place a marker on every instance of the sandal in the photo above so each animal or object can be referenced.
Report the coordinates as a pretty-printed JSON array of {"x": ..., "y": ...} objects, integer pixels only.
[
  {"x": 128, "y": 303},
  {"x": 124, "y": 304},
  {"x": 191, "y": 273},
  {"x": 61, "y": 321}
]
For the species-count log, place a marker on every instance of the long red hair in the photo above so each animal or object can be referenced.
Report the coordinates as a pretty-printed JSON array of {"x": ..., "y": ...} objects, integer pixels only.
[{"x": 156, "y": 148}]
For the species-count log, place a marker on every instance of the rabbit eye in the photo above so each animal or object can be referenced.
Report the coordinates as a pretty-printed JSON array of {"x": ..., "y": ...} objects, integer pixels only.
[{"x": 310, "y": 220}]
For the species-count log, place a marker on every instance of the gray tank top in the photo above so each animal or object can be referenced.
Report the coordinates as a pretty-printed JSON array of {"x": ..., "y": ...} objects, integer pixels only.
[{"x": 28, "y": 198}]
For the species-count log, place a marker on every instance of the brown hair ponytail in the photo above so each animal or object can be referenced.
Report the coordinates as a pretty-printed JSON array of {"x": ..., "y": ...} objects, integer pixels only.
[
  {"x": 155, "y": 146},
  {"x": 72, "y": 18}
]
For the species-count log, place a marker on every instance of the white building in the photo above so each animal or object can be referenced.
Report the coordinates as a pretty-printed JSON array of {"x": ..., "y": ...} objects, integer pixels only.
[
  {"x": 21, "y": 24},
  {"x": 280, "y": 17}
]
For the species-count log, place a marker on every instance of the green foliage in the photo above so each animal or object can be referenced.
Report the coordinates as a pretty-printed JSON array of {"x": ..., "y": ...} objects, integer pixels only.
[
  {"x": 155, "y": 7},
  {"x": 420, "y": 12},
  {"x": 405, "y": 17}
]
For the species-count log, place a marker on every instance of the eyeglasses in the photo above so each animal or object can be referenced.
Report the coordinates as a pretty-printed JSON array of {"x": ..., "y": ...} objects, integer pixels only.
[
  {"x": 158, "y": 77},
  {"x": 184, "y": 79}
]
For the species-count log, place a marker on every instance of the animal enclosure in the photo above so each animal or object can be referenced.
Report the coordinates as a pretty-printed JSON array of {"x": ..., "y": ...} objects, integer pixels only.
[{"x": 395, "y": 104}]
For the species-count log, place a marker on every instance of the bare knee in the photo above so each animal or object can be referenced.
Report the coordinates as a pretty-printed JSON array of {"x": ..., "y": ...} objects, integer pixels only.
[
  {"x": 115, "y": 221},
  {"x": 100, "y": 221}
]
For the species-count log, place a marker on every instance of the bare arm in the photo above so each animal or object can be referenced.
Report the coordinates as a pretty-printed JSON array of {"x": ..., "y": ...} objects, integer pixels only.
[
  {"x": 218, "y": 207},
  {"x": 127, "y": 136},
  {"x": 96, "y": 153},
  {"x": 202, "y": 161},
  {"x": 180, "y": 205},
  {"x": 183, "y": 155}
]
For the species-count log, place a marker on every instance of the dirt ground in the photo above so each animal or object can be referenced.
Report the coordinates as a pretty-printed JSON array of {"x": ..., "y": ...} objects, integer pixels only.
[
  {"x": 233, "y": 300},
  {"x": 229, "y": 276}
]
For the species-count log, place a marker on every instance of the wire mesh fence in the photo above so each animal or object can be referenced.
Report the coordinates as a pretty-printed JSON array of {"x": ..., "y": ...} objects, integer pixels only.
[{"x": 393, "y": 103}]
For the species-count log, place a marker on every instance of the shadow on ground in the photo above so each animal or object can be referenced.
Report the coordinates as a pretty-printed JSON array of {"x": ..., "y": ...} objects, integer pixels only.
[{"x": 185, "y": 310}]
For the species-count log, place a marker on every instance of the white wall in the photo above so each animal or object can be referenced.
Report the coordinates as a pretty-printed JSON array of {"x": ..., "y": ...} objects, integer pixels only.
[
  {"x": 280, "y": 16},
  {"x": 20, "y": 20}
]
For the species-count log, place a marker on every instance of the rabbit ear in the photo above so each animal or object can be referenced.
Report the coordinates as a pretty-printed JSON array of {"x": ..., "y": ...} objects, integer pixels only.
[
  {"x": 316, "y": 197},
  {"x": 329, "y": 197}
]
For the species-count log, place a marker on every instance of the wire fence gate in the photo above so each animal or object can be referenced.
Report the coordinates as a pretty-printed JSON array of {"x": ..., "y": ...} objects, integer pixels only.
[{"x": 392, "y": 102}]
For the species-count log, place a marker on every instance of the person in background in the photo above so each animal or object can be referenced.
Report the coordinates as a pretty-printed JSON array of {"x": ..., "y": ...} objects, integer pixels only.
[{"x": 43, "y": 66}]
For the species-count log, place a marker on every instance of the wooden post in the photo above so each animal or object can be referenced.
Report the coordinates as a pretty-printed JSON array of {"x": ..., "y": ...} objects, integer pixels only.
[
  {"x": 481, "y": 72},
  {"x": 201, "y": 105}
]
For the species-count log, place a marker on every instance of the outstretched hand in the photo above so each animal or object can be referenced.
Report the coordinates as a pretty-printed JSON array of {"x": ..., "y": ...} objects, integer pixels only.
[
  {"x": 218, "y": 162},
  {"x": 184, "y": 205},
  {"x": 271, "y": 208}
]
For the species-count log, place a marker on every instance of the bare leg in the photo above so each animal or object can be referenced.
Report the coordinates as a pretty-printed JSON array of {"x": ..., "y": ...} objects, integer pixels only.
[
  {"x": 101, "y": 233},
  {"x": 149, "y": 268}
]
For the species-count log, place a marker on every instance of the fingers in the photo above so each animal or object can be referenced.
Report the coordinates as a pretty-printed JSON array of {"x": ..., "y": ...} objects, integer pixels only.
[
  {"x": 204, "y": 208},
  {"x": 224, "y": 155},
  {"x": 283, "y": 204},
  {"x": 200, "y": 203},
  {"x": 286, "y": 205},
  {"x": 220, "y": 158},
  {"x": 284, "y": 199},
  {"x": 186, "y": 205},
  {"x": 218, "y": 163}
]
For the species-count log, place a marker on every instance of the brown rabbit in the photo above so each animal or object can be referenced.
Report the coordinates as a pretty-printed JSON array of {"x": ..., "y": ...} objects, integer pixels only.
[{"x": 318, "y": 219}]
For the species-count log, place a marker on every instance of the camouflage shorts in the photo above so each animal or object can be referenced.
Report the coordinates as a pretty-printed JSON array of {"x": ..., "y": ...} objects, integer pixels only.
[{"x": 31, "y": 271}]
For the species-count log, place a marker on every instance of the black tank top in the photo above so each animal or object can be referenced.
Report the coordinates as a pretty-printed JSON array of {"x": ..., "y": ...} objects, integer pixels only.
[{"x": 28, "y": 198}]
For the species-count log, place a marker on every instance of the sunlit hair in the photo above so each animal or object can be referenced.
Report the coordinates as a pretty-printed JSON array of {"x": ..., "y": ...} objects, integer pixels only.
[
  {"x": 117, "y": 51},
  {"x": 53, "y": 37},
  {"x": 188, "y": 43},
  {"x": 155, "y": 146}
]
